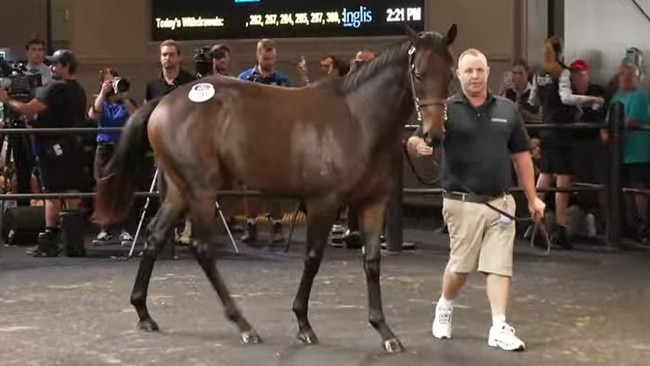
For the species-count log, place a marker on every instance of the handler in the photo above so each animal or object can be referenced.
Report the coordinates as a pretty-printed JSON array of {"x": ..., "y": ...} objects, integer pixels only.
[{"x": 483, "y": 136}]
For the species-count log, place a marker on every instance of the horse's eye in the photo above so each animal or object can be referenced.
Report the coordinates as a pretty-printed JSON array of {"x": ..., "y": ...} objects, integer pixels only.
[{"x": 418, "y": 76}]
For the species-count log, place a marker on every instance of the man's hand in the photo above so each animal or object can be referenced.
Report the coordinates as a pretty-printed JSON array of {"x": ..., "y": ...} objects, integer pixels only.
[
  {"x": 4, "y": 96},
  {"x": 537, "y": 208},
  {"x": 423, "y": 149},
  {"x": 107, "y": 86},
  {"x": 597, "y": 100}
]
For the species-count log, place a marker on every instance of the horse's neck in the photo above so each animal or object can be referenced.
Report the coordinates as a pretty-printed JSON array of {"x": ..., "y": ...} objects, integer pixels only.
[{"x": 384, "y": 102}]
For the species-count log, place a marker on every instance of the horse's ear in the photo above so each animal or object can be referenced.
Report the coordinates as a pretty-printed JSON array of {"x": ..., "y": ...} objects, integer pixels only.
[
  {"x": 412, "y": 34},
  {"x": 451, "y": 34}
]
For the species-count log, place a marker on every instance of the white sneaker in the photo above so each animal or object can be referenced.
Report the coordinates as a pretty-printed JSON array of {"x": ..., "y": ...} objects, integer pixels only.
[
  {"x": 441, "y": 327},
  {"x": 503, "y": 336},
  {"x": 125, "y": 236},
  {"x": 103, "y": 236}
]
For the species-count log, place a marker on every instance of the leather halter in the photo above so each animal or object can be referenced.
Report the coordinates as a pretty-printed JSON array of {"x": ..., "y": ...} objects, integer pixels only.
[{"x": 419, "y": 104}]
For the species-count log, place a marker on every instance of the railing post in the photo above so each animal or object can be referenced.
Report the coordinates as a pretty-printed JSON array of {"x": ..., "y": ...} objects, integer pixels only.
[
  {"x": 394, "y": 226},
  {"x": 614, "y": 189}
]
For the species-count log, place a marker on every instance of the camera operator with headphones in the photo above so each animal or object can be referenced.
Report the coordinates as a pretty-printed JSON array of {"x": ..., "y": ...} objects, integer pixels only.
[
  {"x": 112, "y": 108},
  {"x": 265, "y": 73},
  {"x": 61, "y": 104}
]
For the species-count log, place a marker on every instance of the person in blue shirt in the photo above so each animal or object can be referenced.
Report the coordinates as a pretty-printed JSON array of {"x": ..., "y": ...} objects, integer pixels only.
[
  {"x": 264, "y": 72},
  {"x": 635, "y": 167},
  {"x": 111, "y": 108}
]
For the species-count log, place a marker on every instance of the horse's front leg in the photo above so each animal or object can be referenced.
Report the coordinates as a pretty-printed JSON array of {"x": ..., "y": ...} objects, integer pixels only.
[
  {"x": 319, "y": 223},
  {"x": 372, "y": 222}
]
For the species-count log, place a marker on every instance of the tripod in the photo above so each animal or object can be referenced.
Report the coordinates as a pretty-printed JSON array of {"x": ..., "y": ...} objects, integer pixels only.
[
  {"x": 18, "y": 150},
  {"x": 144, "y": 213}
]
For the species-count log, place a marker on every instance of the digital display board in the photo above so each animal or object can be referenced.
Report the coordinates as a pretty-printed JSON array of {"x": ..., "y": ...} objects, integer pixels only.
[{"x": 188, "y": 20}]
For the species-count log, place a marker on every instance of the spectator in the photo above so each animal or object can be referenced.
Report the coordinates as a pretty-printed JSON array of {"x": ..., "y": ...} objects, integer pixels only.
[
  {"x": 636, "y": 146},
  {"x": 110, "y": 109},
  {"x": 265, "y": 73},
  {"x": 518, "y": 91}
]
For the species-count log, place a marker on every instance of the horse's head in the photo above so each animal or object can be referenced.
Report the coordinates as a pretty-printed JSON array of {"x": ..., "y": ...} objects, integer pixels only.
[{"x": 431, "y": 70}]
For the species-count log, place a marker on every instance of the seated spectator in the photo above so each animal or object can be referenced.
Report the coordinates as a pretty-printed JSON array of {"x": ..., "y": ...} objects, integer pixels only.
[
  {"x": 636, "y": 146},
  {"x": 111, "y": 108}
]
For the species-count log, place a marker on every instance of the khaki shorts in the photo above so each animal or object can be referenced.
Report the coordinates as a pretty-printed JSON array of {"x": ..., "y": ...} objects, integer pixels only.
[{"x": 478, "y": 235}]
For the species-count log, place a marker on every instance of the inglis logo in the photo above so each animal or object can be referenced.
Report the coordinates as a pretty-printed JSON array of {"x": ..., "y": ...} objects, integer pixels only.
[{"x": 354, "y": 18}]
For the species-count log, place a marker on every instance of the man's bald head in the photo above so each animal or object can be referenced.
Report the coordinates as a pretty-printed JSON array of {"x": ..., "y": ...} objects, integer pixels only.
[
  {"x": 472, "y": 52},
  {"x": 473, "y": 72}
]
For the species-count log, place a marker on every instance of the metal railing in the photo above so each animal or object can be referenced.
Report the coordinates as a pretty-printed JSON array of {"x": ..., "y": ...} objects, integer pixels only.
[{"x": 394, "y": 227}]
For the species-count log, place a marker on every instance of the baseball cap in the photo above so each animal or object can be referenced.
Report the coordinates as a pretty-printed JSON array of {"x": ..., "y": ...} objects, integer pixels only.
[
  {"x": 579, "y": 65},
  {"x": 63, "y": 56}
]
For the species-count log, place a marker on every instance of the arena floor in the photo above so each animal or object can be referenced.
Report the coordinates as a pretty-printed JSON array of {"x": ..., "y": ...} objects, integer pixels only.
[{"x": 583, "y": 307}]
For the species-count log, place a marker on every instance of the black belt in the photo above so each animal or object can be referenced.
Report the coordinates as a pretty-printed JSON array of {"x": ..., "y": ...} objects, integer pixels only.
[{"x": 472, "y": 198}]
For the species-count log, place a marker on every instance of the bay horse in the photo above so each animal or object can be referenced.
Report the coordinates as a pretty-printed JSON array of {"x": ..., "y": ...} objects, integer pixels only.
[{"x": 333, "y": 144}]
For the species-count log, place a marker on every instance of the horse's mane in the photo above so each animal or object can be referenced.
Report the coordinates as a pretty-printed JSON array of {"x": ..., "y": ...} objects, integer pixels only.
[
  {"x": 353, "y": 80},
  {"x": 357, "y": 78}
]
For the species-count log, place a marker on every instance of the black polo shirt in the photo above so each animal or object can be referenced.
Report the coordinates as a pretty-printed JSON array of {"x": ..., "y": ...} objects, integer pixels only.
[
  {"x": 160, "y": 87},
  {"x": 478, "y": 145}
]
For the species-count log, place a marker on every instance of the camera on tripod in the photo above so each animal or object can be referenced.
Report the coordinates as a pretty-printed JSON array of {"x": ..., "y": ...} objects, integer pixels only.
[
  {"x": 203, "y": 59},
  {"x": 19, "y": 85}
]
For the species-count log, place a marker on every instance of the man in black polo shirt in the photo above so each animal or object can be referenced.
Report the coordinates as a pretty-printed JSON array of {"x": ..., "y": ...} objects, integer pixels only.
[
  {"x": 484, "y": 134},
  {"x": 171, "y": 77},
  {"x": 172, "y": 74},
  {"x": 60, "y": 104}
]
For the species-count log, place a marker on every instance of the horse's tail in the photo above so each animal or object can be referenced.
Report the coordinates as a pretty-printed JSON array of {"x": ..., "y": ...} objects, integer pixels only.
[{"x": 114, "y": 192}]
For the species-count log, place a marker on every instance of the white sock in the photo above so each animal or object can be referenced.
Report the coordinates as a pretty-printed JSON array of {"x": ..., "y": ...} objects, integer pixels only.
[
  {"x": 498, "y": 320},
  {"x": 444, "y": 302}
]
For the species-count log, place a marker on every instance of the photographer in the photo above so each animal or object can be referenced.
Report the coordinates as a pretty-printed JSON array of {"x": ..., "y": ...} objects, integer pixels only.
[
  {"x": 111, "y": 108},
  {"x": 213, "y": 60},
  {"x": 264, "y": 72},
  {"x": 221, "y": 56},
  {"x": 61, "y": 104}
]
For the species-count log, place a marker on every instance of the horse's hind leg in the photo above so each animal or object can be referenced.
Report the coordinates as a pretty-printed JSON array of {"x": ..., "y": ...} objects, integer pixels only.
[
  {"x": 159, "y": 229},
  {"x": 319, "y": 223},
  {"x": 204, "y": 224},
  {"x": 372, "y": 219}
]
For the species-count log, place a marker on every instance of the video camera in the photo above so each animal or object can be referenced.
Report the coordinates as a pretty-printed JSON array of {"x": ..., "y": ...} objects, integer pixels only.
[
  {"x": 19, "y": 85},
  {"x": 203, "y": 59},
  {"x": 258, "y": 78}
]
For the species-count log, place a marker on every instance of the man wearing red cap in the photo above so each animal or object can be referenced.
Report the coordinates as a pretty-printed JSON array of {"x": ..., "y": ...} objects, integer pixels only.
[{"x": 589, "y": 152}]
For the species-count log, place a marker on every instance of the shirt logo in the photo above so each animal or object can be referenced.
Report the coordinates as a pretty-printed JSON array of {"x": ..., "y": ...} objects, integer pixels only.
[
  {"x": 497, "y": 119},
  {"x": 543, "y": 80}
]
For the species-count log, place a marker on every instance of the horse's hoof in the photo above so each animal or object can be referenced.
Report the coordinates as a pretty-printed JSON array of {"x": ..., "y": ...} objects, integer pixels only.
[
  {"x": 393, "y": 345},
  {"x": 148, "y": 325},
  {"x": 251, "y": 337},
  {"x": 307, "y": 337}
]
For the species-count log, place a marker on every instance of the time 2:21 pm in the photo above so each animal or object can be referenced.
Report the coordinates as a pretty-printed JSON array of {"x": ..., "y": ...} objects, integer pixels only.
[{"x": 396, "y": 15}]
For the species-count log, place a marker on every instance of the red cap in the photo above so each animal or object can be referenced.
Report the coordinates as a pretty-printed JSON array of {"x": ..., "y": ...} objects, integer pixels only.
[{"x": 579, "y": 66}]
